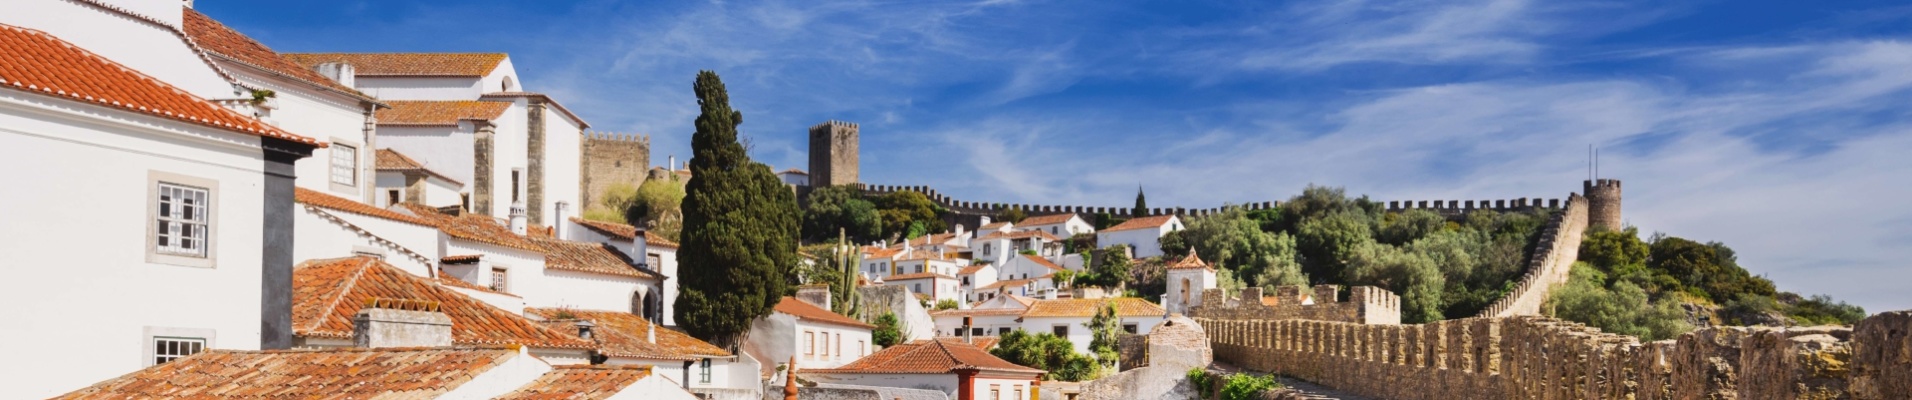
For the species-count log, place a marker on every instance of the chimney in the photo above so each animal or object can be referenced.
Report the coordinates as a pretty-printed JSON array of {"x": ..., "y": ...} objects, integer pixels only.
[
  {"x": 561, "y": 226},
  {"x": 339, "y": 72},
  {"x": 640, "y": 250},
  {"x": 818, "y": 294},
  {"x": 1049, "y": 294},
  {"x": 673, "y": 163},
  {"x": 584, "y": 329},
  {"x": 650, "y": 332},
  {"x": 400, "y": 323},
  {"x": 960, "y": 232},
  {"x": 984, "y": 222},
  {"x": 518, "y": 219},
  {"x": 968, "y": 331}
]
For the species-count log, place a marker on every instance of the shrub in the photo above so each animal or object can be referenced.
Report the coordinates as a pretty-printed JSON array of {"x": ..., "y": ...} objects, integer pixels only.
[
  {"x": 946, "y": 304},
  {"x": 1247, "y": 386},
  {"x": 886, "y": 333}
]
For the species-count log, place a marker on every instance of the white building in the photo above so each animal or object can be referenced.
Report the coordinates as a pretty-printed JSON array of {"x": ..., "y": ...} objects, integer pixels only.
[
  {"x": 161, "y": 215},
  {"x": 974, "y": 278},
  {"x": 330, "y": 292},
  {"x": 989, "y": 318},
  {"x": 1069, "y": 318},
  {"x": 816, "y": 337},
  {"x": 628, "y": 339},
  {"x": 330, "y": 226},
  {"x": 1000, "y": 247},
  {"x": 1144, "y": 234},
  {"x": 1186, "y": 281},
  {"x": 660, "y": 257},
  {"x": 402, "y": 179},
  {"x": 794, "y": 177},
  {"x": 963, "y": 371},
  {"x": 1059, "y": 225}
]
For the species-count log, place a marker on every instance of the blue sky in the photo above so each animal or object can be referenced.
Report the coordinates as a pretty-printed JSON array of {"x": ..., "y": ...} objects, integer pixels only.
[{"x": 1779, "y": 127}]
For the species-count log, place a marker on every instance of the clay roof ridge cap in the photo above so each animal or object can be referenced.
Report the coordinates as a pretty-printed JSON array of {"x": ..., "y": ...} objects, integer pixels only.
[{"x": 365, "y": 264}]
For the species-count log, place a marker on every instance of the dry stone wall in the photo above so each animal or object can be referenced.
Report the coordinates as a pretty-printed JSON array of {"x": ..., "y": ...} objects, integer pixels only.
[{"x": 1539, "y": 358}]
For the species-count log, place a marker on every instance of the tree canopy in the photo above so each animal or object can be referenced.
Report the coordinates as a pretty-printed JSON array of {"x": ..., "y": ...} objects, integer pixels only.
[
  {"x": 841, "y": 207},
  {"x": 907, "y": 214},
  {"x": 738, "y": 249}
]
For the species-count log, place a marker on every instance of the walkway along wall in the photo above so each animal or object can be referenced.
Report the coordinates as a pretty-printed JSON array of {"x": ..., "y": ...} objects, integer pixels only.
[
  {"x": 1551, "y": 263},
  {"x": 1540, "y": 358}
]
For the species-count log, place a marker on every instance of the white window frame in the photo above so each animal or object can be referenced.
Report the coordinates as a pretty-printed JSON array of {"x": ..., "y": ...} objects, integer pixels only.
[
  {"x": 333, "y": 167},
  {"x": 704, "y": 371},
  {"x": 209, "y": 234},
  {"x": 501, "y": 287},
  {"x": 151, "y": 335}
]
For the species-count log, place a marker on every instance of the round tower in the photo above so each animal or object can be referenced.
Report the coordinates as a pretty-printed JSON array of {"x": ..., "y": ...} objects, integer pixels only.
[{"x": 1603, "y": 203}]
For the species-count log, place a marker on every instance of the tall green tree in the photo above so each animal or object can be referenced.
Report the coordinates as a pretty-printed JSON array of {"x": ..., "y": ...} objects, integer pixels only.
[
  {"x": 1232, "y": 240},
  {"x": 908, "y": 214},
  {"x": 840, "y": 207},
  {"x": 738, "y": 251},
  {"x": 1141, "y": 205},
  {"x": 1105, "y": 329}
]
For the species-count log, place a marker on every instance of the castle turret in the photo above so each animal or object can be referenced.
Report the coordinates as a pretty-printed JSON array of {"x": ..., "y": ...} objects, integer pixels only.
[
  {"x": 833, "y": 157},
  {"x": 1603, "y": 203}
]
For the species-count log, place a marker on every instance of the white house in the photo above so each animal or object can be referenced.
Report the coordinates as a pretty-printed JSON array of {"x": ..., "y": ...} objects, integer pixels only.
[
  {"x": 988, "y": 318},
  {"x": 794, "y": 177},
  {"x": 999, "y": 247},
  {"x": 1144, "y": 234},
  {"x": 1060, "y": 225},
  {"x": 660, "y": 257},
  {"x": 974, "y": 278},
  {"x": 330, "y": 226},
  {"x": 962, "y": 371},
  {"x": 163, "y": 216},
  {"x": 1069, "y": 318},
  {"x": 1186, "y": 281},
  {"x": 817, "y": 337},
  {"x": 329, "y": 293},
  {"x": 628, "y": 339},
  {"x": 401, "y": 179},
  {"x": 1024, "y": 266}
]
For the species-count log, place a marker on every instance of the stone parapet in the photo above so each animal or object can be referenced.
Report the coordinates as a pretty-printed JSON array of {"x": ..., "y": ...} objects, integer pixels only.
[
  {"x": 1365, "y": 305},
  {"x": 1551, "y": 263},
  {"x": 1540, "y": 358}
]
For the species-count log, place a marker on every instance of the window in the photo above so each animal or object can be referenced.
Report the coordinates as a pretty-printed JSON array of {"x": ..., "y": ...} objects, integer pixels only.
[
  {"x": 1130, "y": 328},
  {"x": 976, "y": 331},
  {"x": 959, "y": 332},
  {"x": 826, "y": 345},
  {"x": 986, "y": 247},
  {"x": 918, "y": 287},
  {"x": 391, "y": 197},
  {"x": 498, "y": 279},
  {"x": 1017, "y": 393},
  {"x": 1002, "y": 331},
  {"x": 703, "y": 371},
  {"x": 181, "y": 220},
  {"x": 166, "y": 349},
  {"x": 965, "y": 281},
  {"x": 810, "y": 343},
  {"x": 861, "y": 350},
  {"x": 515, "y": 173},
  {"x": 839, "y": 344},
  {"x": 995, "y": 392},
  {"x": 1062, "y": 330},
  {"x": 344, "y": 164}
]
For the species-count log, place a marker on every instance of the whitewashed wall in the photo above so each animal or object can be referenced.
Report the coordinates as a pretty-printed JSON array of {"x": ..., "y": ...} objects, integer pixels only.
[
  {"x": 325, "y": 233},
  {"x": 419, "y": 88},
  {"x": 941, "y": 382},
  {"x": 1078, "y": 332},
  {"x": 1146, "y": 242},
  {"x": 563, "y": 145},
  {"x": 949, "y": 325},
  {"x": 586, "y": 291},
  {"x": 780, "y": 336},
  {"x": 442, "y": 148},
  {"x": 154, "y": 50},
  {"x": 76, "y": 245},
  {"x": 315, "y": 113}
]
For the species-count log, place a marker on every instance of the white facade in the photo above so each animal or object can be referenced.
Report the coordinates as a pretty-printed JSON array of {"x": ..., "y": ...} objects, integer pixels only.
[
  {"x": 1078, "y": 328},
  {"x": 80, "y": 245},
  {"x": 152, "y": 48},
  {"x": 1185, "y": 286},
  {"x": 323, "y": 233},
  {"x": 1074, "y": 225},
  {"x": 815, "y": 344},
  {"x": 1147, "y": 242}
]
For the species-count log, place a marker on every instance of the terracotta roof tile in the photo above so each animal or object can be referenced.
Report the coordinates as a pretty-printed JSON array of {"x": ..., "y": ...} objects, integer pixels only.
[
  {"x": 392, "y": 160},
  {"x": 322, "y": 200},
  {"x": 461, "y": 259},
  {"x": 439, "y": 112},
  {"x": 804, "y": 310},
  {"x": 971, "y": 269},
  {"x": 622, "y": 334},
  {"x": 978, "y": 313},
  {"x": 339, "y": 373},
  {"x": 326, "y": 294},
  {"x": 595, "y": 258},
  {"x": 624, "y": 231},
  {"x": 929, "y": 357},
  {"x": 1124, "y": 306},
  {"x": 473, "y": 227},
  {"x": 1009, "y": 283},
  {"x": 446, "y": 279},
  {"x": 1141, "y": 223},
  {"x": 42, "y": 64},
  {"x": 1045, "y": 220},
  {"x": 580, "y": 382},
  {"x": 407, "y": 64},
  {"x": 1192, "y": 261},
  {"x": 919, "y": 275},
  {"x": 540, "y": 96},
  {"x": 224, "y": 42},
  {"x": 1043, "y": 262},
  {"x": 994, "y": 225},
  {"x": 981, "y": 342},
  {"x": 1020, "y": 235},
  {"x": 870, "y": 252}
]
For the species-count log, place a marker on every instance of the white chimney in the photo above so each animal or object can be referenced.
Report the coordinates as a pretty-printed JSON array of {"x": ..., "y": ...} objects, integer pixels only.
[
  {"x": 959, "y": 231},
  {"x": 1049, "y": 294},
  {"x": 518, "y": 220},
  {"x": 673, "y": 163},
  {"x": 561, "y": 227},
  {"x": 640, "y": 250},
  {"x": 339, "y": 72},
  {"x": 651, "y": 332},
  {"x": 400, "y": 323},
  {"x": 984, "y": 222}
]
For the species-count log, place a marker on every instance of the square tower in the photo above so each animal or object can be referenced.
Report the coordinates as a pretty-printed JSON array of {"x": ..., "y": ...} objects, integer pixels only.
[{"x": 833, "y": 158}]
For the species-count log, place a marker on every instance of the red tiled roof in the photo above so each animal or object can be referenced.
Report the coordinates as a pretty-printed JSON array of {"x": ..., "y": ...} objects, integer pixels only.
[
  {"x": 1141, "y": 223},
  {"x": 1045, "y": 220},
  {"x": 473, "y": 227},
  {"x": 978, "y": 313},
  {"x": 461, "y": 259},
  {"x": 1020, "y": 235},
  {"x": 622, "y": 334},
  {"x": 595, "y": 258},
  {"x": 919, "y": 275},
  {"x": 1124, "y": 306},
  {"x": 804, "y": 310},
  {"x": 224, "y": 42},
  {"x": 624, "y": 231},
  {"x": 928, "y": 357},
  {"x": 580, "y": 382},
  {"x": 1007, "y": 283},
  {"x": 1191, "y": 262},
  {"x": 878, "y": 252},
  {"x": 1043, "y": 262},
  {"x": 337, "y": 373},
  {"x": 392, "y": 160},
  {"x": 322, "y": 200},
  {"x": 994, "y": 225},
  {"x": 326, "y": 294},
  {"x": 971, "y": 269},
  {"x": 446, "y": 279},
  {"x": 42, "y": 64},
  {"x": 439, "y": 112},
  {"x": 981, "y": 342},
  {"x": 540, "y": 96},
  {"x": 406, "y": 64}
]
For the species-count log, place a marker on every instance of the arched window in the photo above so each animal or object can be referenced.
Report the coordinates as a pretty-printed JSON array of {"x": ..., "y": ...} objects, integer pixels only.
[
  {"x": 509, "y": 85},
  {"x": 638, "y": 305},
  {"x": 1185, "y": 292}
]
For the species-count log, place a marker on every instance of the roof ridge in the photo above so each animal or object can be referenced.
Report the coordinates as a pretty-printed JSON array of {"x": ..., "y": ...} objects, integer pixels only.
[
  {"x": 952, "y": 356},
  {"x": 362, "y": 231},
  {"x": 345, "y": 288},
  {"x": 176, "y": 31}
]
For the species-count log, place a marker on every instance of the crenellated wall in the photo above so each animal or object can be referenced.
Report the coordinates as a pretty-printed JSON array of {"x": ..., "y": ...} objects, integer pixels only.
[
  {"x": 1550, "y": 264},
  {"x": 610, "y": 159},
  {"x": 1541, "y": 358},
  {"x": 967, "y": 211},
  {"x": 1365, "y": 305}
]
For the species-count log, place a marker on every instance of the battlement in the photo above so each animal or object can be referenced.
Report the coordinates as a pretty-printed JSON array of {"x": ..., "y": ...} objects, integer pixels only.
[
  {"x": 1550, "y": 264},
  {"x": 823, "y": 127},
  {"x": 833, "y": 153},
  {"x": 1460, "y": 208},
  {"x": 612, "y": 158},
  {"x": 1600, "y": 185},
  {"x": 1365, "y": 305},
  {"x": 617, "y": 137}
]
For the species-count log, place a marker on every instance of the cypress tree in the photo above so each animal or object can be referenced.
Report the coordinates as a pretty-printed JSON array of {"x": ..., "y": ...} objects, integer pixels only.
[
  {"x": 738, "y": 254},
  {"x": 1141, "y": 205}
]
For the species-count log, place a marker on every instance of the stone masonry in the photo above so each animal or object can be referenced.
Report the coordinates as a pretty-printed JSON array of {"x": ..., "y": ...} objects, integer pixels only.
[
  {"x": 610, "y": 159},
  {"x": 1604, "y": 194},
  {"x": 833, "y": 154},
  {"x": 1541, "y": 358},
  {"x": 1550, "y": 265},
  {"x": 1365, "y": 305}
]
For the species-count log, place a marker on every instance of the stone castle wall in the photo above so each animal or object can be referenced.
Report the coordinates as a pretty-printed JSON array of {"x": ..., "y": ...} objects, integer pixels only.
[
  {"x": 833, "y": 154},
  {"x": 1550, "y": 265},
  {"x": 1365, "y": 305},
  {"x": 967, "y": 212},
  {"x": 1604, "y": 205},
  {"x": 1540, "y": 358},
  {"x": 611, "y": 158}
]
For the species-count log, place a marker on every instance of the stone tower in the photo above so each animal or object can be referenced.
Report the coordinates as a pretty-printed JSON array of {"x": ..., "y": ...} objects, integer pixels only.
[
  {"x": 610, "y": 159},
  {"x": 833, "y": 154},
  {"x": 1603, "y": 203}
]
